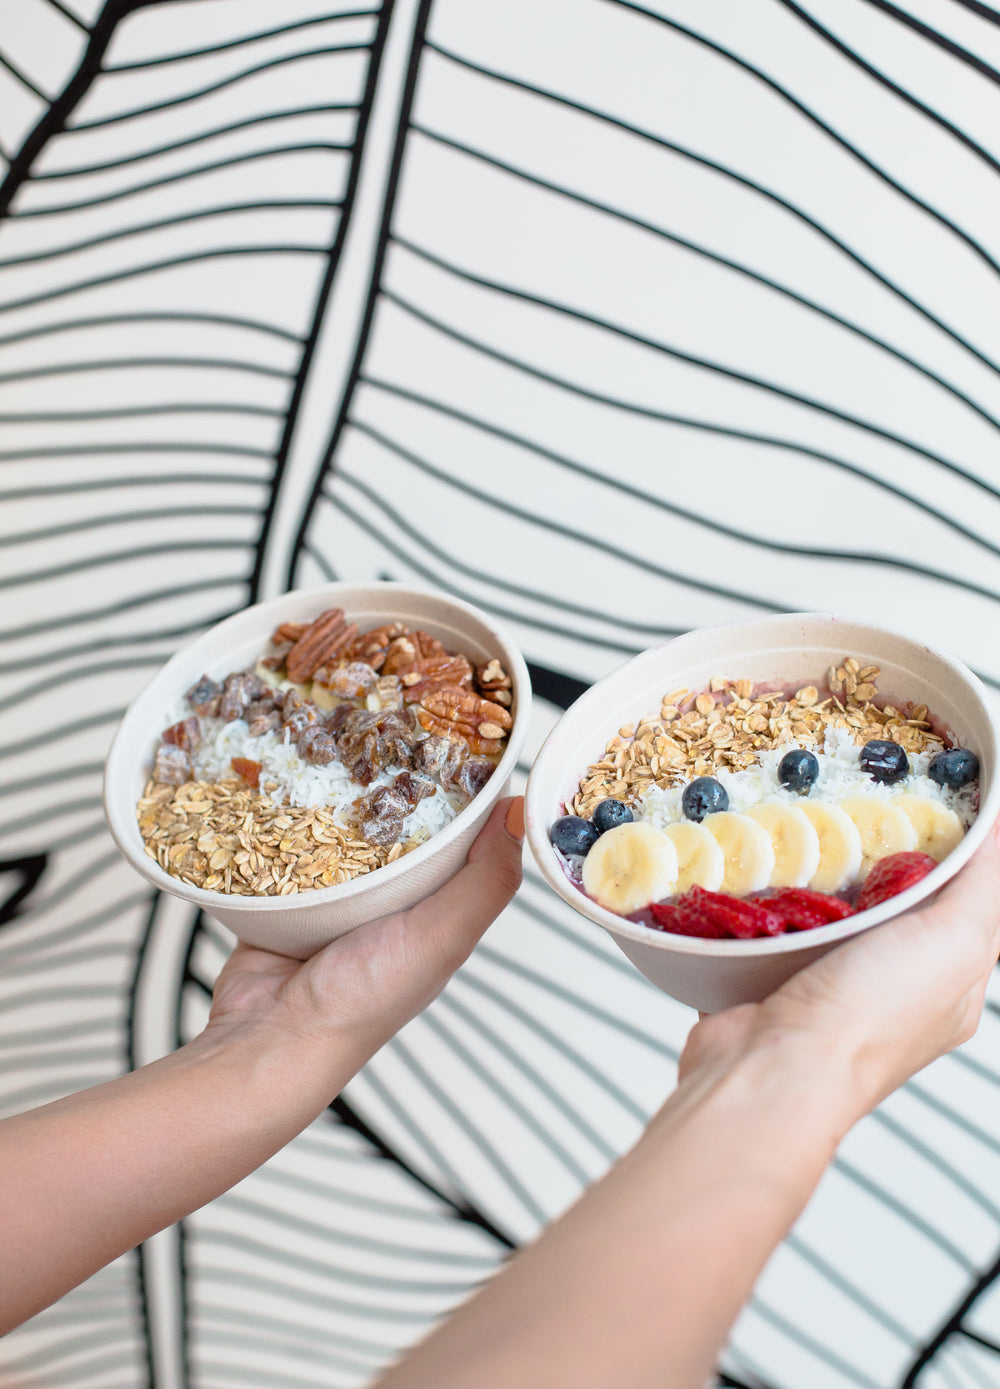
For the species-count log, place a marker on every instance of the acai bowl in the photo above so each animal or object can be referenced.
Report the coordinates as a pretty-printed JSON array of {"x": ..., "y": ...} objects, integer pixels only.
[
  {"x": 243, "y": 720},
  {"x": 775, "y": 857}
]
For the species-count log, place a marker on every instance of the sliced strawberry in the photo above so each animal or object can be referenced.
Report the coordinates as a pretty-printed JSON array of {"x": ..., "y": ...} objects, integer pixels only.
[
  {"x": 247, "y": 770},
  {"x": 719, "y": 916},
  {"x": 892, "y": 875},
  {"x": 801, "y": 910},
  {"x": 669, "y": 916}
]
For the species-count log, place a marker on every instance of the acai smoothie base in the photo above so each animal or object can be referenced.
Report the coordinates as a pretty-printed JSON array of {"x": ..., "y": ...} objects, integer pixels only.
[{"x": 766, "y": 809}]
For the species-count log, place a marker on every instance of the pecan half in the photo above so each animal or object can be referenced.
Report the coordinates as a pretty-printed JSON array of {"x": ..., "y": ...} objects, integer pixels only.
[
  {"x": 494, "y": 682},
  {"x": 457, "y": 712},
  {"x": 371, "y": 647},
  {"x": 321, "y": 641}
]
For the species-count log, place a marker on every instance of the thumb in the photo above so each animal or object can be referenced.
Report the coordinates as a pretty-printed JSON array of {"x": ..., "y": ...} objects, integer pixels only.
[{"x": 451, "y": 921}]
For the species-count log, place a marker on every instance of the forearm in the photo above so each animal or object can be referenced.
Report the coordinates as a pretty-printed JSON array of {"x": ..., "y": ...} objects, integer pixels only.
[
  {"x": 639, "y": 1283},
  {"x": 90, "y": 1176}
]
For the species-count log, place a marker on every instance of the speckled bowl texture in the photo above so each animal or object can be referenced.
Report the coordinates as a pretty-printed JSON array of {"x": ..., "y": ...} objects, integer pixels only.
[
  {"x": 301, "y": 924},
  {"x": 789, "y": 650}
]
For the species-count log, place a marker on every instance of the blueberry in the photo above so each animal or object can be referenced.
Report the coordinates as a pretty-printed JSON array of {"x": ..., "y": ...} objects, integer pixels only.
[
  {"x": 798, "y": 770},
  {"x": 884, "y": 761},
  {"x": 954, "y": 768},
  {"x": 572, "y": 835},
  {"x": 607, "y": 814},
  {"x": 704, "y": 796}
]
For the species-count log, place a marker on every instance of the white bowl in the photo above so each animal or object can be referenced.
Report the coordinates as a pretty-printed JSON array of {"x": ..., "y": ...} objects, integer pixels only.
[
  {"x": 301, "y": 924},
  {"x": 790, "y": 650}
]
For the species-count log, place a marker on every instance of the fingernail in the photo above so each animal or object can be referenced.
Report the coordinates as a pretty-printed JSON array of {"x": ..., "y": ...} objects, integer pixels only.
[{"x": 514, "y": 822}]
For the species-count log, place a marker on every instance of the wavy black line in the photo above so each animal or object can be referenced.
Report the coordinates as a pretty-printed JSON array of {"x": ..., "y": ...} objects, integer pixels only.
[
  {"x": 815, "y": 120},
  {"x": 67, "y": 13},
  {"x": 713, "y": 257},
  {"x": 323, "y": 293},
  {"x": 934, "y": 36},
  {"x": 229, "y": 1275},
  {"x": 824, "y": 1353},
  {"x": 709, "y": 522},
  {"x": 49, "y": 814},
  {"x": 57, "y": 1033},
  {"x": 67, "y": 959},
  {"x": 39, "y": 373},
  {"x": 54, "y": 777},
  {"x": 56, "y": 732},
  {"x": 130, "y": 412},
  {"x": 103, "y": 484},
  {"x": 281, "y": 61},
  {"x": 545, "y": 523},
  {"x": 240, "y": 1375},
  {"x": 220, "y": 1312},
  {"x": 322, "y": 563},
  {"x": 532, "y": 1075},
  {"x": 39, "y": 942},
  {"x": 584, "y": 1005},
  {"x": 472, "y": 1130},
  {"x": 326, "y": 1268},
  {"x": 76, "y": 618},
  {"x": 685, "y": 421},
  {"x": 202, "y": 214},
  {"x": 165, "y": 446},
  {"x": 355, "y": 1239},
  {"x": 172, "y": 547},
  {"x": 676, "y": 576},
  {"x": 538, "y": 622},
  {"x": 506, "y": 1095},
  {"x": 240, "y": 42},
  {"x": 155, "y": 316},
  {"x": 927, "y": 1351},
  {"x": 378, "y": 262},
  {"x": 90, "y": 523},
  {"x": 27, "y": 871},
  {"x": 977, "y": 7},
  {"x": 81, "y": 170},
  {"x": 287, "y": 1347},
  {"x": 902, "y": 93},
  {"x": 691, "y": 359},
  {"x": 151, "y": 267},
  {"x": 114, "y": 643},
  {"x": 23, "y": 78},
  {"x": 948, "y": 1112},
  {"x": 249, "y": 157},
  {"x": 957, "y": 1178},
  {"x": 851, "y": 1291},
  {"x": 419, "y": 1135},
  {"x": 730, "y": 174}
]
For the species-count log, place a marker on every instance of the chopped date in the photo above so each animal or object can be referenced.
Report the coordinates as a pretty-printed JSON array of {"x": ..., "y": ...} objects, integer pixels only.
[
  {"x": 247, "y": 770},
  {"x": 239, "y": 690},
  {"x": 473, "y": 775},
  {"x": 173, "y": 765},
  {"x": 350, "y": 681},
  {"x": 317, "y": 746},
  {"x": 411, "y": 788},
  {"x": 268, "y": 722},
  {"x": 204, "y": 697},
  {"x": 436, "y": 755},
  {"x": 186, "y": 734}
]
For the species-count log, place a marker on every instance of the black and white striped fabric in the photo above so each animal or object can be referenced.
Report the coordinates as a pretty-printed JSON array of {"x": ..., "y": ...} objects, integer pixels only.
[{"x": 617, "y": 319}]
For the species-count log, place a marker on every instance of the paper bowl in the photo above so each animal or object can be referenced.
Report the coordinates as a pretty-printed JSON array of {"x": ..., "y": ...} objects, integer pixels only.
[
  {"x": 791, "y": 650},
  {"x": 303, "y": 923}
]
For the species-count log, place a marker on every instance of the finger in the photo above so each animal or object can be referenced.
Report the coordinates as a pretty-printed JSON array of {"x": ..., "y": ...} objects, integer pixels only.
[{"x": 452, "y": 920}]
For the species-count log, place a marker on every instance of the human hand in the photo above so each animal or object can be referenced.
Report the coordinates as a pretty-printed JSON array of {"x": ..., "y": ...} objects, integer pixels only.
[
  {"x": 884, "y": 1004},
  {"x": 350, "y": 998}
]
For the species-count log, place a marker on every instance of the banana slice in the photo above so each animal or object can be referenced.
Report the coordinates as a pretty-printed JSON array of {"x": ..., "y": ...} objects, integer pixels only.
[
  {"x": 629, "y": 867},
  {"x": 699, "y": 853},
  {"x": 795, "y": 843},
  {"x": 884, "y": 828},
  {"x": 939, "y": 830},
  {"x": 839, "y": 846},
  {"x": 748, "y": 851}
]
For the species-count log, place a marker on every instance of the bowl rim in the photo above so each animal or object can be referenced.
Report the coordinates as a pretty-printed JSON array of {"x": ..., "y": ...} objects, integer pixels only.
[
  {"x": 118, "y": 810},
  {"x": 550, "y": 865}
]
